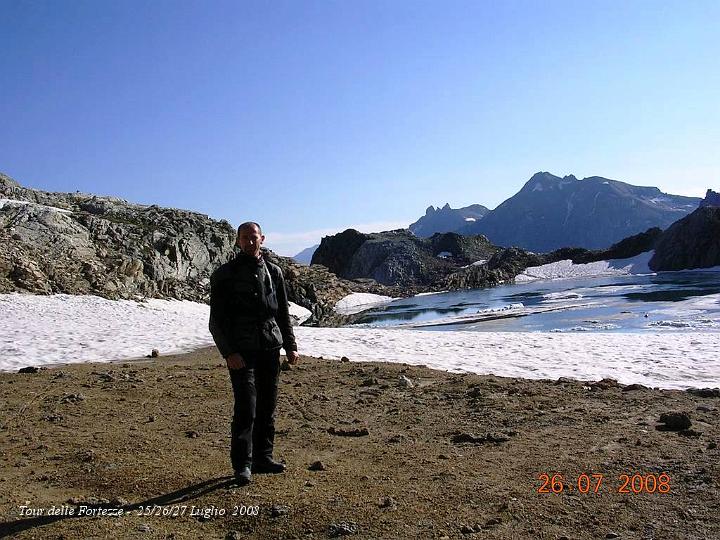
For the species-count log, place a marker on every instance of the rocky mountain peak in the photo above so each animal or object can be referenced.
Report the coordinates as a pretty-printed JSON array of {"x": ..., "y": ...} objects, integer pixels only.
[
  {"x": 446, "y": 219},
  {"x": 712, "y": 198},
  {"x": 541, "y": 181}
]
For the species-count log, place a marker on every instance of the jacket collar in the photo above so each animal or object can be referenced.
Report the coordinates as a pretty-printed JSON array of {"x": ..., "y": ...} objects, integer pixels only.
[{"x": 245, "y": 259}]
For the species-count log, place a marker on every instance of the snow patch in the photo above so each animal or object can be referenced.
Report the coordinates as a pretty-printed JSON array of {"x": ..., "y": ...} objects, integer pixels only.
[
  {"x": 568, "y": 269},
  {"x": 15, "y": 202},
  {"x": 300, "y": 313},
  {"x": 41, "y": 330},
  {"x": 357, "y": 302}
]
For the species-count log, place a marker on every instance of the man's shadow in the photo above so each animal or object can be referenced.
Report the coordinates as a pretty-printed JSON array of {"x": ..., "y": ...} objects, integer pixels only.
[{"x": 180, "y": 496}]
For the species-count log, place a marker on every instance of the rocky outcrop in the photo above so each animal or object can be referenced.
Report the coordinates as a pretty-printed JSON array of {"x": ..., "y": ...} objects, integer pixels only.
[
  {"x": 77, "y": 243},
  {"x": 692, "y": 242},
  {"x": 712, "y": 198},
  {"x": 398, "y": 257},
  {"x": 508, "y": 263},
  {"x": 501, "y": 268},
  {"x": 624, "y": 249},
  {"x": 84, "y": 244}
]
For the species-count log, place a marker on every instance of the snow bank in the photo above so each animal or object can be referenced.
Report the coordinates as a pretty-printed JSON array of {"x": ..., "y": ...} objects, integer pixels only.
[
  {"x": 357, "y": 302},
  {"x": 37, "y": 330},
  {"x": 300, "y": 313},
  {"x": 567, "y": 269},
  {"x": 15, "y": 202}
]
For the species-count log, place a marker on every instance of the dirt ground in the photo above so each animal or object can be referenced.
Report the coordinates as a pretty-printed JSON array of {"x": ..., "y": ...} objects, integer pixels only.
[{"x": 405, "y": 452}]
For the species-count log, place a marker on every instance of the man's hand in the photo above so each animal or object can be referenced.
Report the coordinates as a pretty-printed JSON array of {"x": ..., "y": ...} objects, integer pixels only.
[
  {"x": 293, "y": 357},
  {"x": 235, "y": 361}
]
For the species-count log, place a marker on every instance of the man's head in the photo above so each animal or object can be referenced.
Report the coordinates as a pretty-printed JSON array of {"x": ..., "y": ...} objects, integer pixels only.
[{"x": 250, "y": 238}]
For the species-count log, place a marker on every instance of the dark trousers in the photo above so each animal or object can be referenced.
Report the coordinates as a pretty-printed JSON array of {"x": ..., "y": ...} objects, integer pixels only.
[{"x": 253, "y": 424}]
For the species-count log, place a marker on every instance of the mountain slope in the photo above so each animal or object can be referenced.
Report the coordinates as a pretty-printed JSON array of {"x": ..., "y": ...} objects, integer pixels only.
[
  {"x": 305, "y": 256},
  {"x": 550, "y": 212}
]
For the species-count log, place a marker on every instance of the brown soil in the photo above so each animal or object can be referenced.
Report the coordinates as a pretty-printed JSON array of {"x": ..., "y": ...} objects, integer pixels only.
[{"x": 457, "y": 456}]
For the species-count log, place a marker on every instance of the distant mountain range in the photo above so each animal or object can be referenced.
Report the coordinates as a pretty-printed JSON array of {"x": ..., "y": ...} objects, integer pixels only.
[
  {"x": 550, "y": 212},
  {"x": 305, "y": 256},
  {"x": 453, "y": 261},
  {"x": 446, "y": 219}
]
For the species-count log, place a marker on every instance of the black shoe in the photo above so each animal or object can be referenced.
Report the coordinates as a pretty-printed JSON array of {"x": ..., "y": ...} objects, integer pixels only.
[
  {"x": 243, "y": 476},
  {"x": 268, "y": 466}
]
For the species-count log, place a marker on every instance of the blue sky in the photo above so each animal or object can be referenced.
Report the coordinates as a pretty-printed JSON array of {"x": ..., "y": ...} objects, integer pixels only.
[{"x": 311, "y": 117}]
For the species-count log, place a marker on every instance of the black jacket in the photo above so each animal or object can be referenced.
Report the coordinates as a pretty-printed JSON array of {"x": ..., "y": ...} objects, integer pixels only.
[{"x": 249, "y": 307}]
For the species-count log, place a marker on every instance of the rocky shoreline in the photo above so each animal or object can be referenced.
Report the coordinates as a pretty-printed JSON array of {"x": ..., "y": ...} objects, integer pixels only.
[{"x": 374, "y": 450}]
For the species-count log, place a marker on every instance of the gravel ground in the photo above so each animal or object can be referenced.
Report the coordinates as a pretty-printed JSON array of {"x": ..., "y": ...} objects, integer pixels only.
[{"x": 404, "y": 452}]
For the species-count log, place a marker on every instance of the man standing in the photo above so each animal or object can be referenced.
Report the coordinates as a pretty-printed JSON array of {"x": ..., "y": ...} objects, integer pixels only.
[{"x": 250, "y": 322}]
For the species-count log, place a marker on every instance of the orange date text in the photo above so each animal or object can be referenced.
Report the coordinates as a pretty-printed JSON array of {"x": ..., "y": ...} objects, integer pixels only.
[{"x": 634, "y": 484}]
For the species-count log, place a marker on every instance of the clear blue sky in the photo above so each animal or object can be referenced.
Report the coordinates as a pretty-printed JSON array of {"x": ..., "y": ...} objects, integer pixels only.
[{"x": 310, "y": 117}]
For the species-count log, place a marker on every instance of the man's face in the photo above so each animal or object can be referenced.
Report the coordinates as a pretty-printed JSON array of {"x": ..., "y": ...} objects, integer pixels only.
[{"x": 249, "y": 239}]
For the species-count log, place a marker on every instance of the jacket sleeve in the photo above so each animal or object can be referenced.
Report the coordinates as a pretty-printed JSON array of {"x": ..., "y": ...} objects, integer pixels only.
[
  {"x": 218, "y": 316},
  {"x": 283, "y": 315}
]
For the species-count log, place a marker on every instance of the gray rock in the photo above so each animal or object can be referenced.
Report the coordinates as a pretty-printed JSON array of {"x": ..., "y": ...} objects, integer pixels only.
[
  {"x": 387, "y": 502},
  {"x": 342, "y": 528},
  {"x": 604, "y": 384},
  {"x": 356, "y": 432},
  {"x": 675, "y": 421},
  {"x": 705, "y": 408},
  {"x": 277, "y": 510},
  {"x": 705, "y": 392},
  {"x": 632, "y": 387},
  {"x": 404, "y": 382},
  {"x": 29, "y": 369},
  {"x": 460, "y": 438}
]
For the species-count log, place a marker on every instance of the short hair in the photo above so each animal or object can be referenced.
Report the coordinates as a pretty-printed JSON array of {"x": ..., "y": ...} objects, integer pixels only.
[{"x": 249, "y": 224}]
